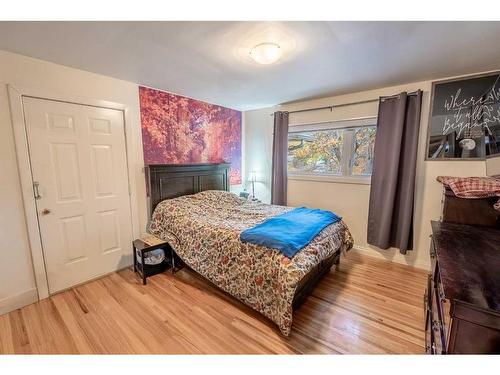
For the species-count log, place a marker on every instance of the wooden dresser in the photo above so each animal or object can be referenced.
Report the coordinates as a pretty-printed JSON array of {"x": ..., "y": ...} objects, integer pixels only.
[{"x": 462, "y": 301}]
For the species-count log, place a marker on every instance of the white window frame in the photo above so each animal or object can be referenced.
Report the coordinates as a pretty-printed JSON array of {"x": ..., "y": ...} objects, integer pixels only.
[{"x": 348, "y": 126}]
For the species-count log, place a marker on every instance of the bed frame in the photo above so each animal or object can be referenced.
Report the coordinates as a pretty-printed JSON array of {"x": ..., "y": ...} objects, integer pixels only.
[{"x": 166, "y": 181}]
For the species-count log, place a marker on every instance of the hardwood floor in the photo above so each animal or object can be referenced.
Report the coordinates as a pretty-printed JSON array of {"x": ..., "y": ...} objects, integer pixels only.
[{"x": 366, "y": 306}]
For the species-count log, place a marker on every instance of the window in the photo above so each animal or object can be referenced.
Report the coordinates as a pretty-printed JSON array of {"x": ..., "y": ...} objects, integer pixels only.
[{"x": 332, "y": 149}]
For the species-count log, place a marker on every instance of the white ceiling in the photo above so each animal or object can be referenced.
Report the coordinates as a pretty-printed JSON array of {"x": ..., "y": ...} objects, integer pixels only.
[{"x": 209, "y": 60}]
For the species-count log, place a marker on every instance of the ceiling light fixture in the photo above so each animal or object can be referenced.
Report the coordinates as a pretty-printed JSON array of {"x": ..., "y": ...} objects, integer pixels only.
[{"x": 266, "y": 53}]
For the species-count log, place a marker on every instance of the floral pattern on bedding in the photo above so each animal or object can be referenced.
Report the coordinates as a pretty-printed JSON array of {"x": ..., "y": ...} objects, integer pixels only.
[{"x": 204, "y": 230}]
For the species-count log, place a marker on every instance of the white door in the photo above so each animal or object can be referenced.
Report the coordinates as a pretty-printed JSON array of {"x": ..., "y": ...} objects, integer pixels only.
[{"x": 79, "y": 162}]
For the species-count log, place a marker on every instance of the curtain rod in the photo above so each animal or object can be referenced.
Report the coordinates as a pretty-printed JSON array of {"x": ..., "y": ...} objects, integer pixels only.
[{"x": 331, "y": 107}]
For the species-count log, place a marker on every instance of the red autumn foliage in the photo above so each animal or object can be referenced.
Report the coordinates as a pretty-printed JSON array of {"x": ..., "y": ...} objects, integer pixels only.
[{"x": 180, "y": 130}]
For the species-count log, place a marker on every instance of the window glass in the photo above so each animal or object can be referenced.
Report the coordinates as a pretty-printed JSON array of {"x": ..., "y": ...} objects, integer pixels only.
[
  {"x": 317, "y": 151},
  {"x": 363, "y": 145}
]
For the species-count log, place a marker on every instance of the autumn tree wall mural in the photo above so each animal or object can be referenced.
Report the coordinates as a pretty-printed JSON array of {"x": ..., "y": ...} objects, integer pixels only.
[{"x": 180, "y": 130}]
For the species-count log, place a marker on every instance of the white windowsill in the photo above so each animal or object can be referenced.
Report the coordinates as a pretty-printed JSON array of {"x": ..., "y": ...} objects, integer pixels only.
[{"x": 358, "y": 180}]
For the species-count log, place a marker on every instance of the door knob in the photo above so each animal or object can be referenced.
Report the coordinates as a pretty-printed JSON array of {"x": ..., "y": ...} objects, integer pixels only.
[{"x": 45, "y": 211}]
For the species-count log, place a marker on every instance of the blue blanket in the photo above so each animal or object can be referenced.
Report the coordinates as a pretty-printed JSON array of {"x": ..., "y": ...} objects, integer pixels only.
[{"x": 291, "y": 231}]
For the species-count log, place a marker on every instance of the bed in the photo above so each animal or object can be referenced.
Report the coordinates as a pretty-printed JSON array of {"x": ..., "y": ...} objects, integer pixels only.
[{"x": 193, "y": 210}]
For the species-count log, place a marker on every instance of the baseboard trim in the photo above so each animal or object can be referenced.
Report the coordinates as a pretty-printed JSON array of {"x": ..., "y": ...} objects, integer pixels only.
[
  {"x": 17, "y": 301},
  {"x": 396, "y": 259}
]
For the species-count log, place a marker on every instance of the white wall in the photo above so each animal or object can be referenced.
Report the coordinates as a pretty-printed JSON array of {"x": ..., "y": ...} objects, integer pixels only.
[
  {"x": 17, "y": 284},
  {"x": 351, "y": 200},
  {"x": 258, "y": 150}
]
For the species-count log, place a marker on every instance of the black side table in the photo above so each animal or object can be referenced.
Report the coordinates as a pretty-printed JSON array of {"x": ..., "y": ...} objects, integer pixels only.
[{"x": 145, "y": 245}]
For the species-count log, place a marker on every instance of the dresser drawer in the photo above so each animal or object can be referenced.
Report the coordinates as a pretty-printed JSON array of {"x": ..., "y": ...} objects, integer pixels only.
[
  {"x": 432, "y": 254},
  {"x": 429, "y": 333},
  {"x": 438, "y": 325},
  {"x": 436, "y": 311}
]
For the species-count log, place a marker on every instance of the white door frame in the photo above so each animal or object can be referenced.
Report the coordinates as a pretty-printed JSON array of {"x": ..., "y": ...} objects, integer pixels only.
[{"x": 16, "y": 94}]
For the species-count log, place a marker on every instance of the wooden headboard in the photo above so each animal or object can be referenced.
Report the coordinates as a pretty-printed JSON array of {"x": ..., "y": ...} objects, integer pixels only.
[{"x": 174, "y": 180}]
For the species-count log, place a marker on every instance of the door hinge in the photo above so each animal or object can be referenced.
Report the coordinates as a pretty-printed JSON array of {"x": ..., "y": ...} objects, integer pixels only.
[{"x": 36, "y": 192}]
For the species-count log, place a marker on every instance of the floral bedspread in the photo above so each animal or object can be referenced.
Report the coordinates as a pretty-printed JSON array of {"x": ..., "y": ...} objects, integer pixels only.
[{"x": 204, "y": 230}]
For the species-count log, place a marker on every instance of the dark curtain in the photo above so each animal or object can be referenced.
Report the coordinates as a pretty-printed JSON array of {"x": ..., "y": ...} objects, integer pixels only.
[
  {"x": 280, "y": 154},
  {"x": 390, "y": 218}
]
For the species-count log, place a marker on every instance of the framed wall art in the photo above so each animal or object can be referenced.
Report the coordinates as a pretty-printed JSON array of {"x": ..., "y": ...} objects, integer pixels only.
[{"x": 464, "y": 120}]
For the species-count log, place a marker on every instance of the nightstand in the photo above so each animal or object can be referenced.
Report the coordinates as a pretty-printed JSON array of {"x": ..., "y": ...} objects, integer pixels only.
[{"x": 141, "y": 247}]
